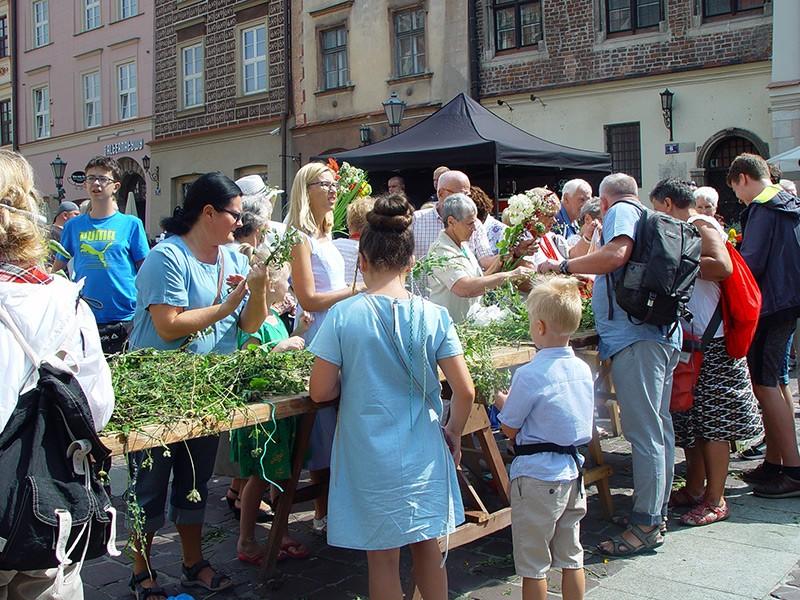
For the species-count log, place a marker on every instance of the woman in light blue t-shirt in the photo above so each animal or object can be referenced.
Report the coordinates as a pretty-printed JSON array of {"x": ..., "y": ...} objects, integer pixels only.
[{"x": 191, "y": 293}]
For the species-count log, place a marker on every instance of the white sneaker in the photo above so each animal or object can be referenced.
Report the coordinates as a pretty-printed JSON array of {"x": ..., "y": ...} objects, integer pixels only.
[{"x": 320, "y": 526}]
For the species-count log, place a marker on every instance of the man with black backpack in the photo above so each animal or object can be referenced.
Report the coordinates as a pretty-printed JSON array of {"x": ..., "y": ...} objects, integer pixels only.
[
  {"x": 771, "y": 248},
  {"x": 643, "y": 355}
]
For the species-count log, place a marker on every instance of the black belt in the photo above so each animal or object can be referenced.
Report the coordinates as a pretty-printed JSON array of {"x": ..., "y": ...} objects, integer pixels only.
[{"x": 528, "y": 449}]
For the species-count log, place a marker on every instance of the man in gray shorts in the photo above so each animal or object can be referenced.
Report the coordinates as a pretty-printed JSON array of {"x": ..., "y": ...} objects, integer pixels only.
[{"x": 771, "y": 248}]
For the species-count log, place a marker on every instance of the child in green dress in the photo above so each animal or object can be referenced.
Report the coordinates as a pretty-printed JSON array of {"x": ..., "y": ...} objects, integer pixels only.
[{"x": 264, "y": 452}]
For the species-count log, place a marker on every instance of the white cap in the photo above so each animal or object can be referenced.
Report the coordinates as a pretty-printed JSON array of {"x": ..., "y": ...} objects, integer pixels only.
[{"x": 251, "y": 185}]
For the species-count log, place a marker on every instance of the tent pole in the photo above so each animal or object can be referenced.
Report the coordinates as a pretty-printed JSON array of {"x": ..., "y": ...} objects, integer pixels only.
[{"x": 496, "y": 192}]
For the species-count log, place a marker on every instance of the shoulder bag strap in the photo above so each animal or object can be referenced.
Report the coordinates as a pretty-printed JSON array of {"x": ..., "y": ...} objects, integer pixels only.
[{"x": 712, "y": 327}]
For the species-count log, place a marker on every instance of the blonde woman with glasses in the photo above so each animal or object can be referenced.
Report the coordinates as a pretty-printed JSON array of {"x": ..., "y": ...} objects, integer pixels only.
[{"x": 318, "y": 281}]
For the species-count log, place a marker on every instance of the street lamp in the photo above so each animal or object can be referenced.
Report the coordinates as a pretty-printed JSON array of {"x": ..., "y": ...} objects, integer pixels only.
[
  {"x": 365, "y": 133},
  {"x": 394, "y": 109},
  {"x": 59, "y": 166},
  {"x": 666, "y": 110},
  {"x": 154, "y": 174}
]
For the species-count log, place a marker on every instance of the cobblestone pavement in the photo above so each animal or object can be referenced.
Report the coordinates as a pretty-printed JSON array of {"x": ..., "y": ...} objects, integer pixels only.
[{"x": 745, "y": 557}]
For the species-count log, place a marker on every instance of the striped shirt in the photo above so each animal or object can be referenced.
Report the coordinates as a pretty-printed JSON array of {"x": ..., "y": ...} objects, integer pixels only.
[{"x": 428, "y": 225}]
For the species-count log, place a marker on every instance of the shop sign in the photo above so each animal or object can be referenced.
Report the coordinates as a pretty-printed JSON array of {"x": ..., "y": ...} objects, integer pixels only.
[{"x": 124, "y": 147}]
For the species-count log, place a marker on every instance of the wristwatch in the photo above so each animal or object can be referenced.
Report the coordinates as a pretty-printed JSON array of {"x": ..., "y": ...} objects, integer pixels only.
[{"x": 564, "y": 267}]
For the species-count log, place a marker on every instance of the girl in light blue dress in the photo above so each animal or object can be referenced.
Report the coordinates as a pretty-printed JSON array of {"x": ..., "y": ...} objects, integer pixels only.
[{"x": 393, "y": 478}]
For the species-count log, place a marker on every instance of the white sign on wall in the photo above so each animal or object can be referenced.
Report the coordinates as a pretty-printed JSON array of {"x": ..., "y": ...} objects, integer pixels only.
[{"x": 123, "y": 147}]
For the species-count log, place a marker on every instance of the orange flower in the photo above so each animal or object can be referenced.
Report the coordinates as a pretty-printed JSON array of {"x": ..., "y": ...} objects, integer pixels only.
[{"x": 333, "y": 165}]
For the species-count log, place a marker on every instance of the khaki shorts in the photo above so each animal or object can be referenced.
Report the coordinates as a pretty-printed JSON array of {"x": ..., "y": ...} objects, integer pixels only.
[{"x": 545, "y": 525}]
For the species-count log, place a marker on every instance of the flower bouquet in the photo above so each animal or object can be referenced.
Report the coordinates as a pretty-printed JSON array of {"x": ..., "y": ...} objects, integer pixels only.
[
  {"x": 526, "y": 214},
  {"x": 352, "y": 184}
]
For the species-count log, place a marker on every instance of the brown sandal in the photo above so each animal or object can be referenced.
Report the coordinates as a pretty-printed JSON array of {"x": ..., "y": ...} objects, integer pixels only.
[
  {"x": 650, "y": 540},
  {"x": 682, "y": 498}
]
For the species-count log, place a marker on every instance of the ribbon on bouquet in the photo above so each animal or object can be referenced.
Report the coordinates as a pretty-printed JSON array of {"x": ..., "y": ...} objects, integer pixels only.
[{"x": 548, "y": 249}]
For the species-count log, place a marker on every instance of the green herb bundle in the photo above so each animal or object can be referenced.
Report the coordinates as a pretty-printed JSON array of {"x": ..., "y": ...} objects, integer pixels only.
[{"x": 156, "y": 387}]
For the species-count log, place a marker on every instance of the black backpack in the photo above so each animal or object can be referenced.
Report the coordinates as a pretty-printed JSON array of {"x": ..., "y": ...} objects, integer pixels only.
[
  {"x": 658, "y": 279},
  {"x": 56, "y": 509}
]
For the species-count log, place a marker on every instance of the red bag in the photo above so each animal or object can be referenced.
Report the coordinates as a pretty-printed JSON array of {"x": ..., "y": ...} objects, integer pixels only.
[
  {"x": 684, "y": 377},
  {"x": 741, "y": 306}
]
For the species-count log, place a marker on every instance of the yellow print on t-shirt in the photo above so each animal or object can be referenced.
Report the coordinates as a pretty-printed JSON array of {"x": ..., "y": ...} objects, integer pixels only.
[
  {"x": 100, "y": 254},
  {"x": 98, "y": 235}
]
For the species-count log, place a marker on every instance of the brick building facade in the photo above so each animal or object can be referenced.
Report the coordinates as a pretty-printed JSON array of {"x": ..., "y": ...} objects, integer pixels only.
[
  {"x": 577, "y": 50},
  {"x": 585, "y": 73},
  {"x": 221, "y": 91}
]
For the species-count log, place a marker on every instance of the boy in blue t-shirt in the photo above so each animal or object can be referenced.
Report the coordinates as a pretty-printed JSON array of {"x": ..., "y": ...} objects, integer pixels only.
[
  {"x": 108, "y": 248},
  {"x": 548, "y": 413}
]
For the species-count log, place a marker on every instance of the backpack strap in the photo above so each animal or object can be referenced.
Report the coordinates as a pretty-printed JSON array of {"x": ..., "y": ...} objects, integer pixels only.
[
  {"x": 9, "y": 322},
  {"x": 36, "y": 360},
  {"x": 610, "y": 276}
]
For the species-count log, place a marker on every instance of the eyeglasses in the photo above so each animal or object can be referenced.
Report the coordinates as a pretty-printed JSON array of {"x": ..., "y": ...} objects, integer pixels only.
[
  {"x": 101, "y": 179},
  {"x": 237, "y": 216},
  {"x": 325, "y": 185}
]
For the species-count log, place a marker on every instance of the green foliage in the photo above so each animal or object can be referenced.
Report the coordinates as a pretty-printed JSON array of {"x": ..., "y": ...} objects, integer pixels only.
[
  {"x": 587, "y": 316},
  {"x": 280, "y": 250},
  {"x": 478, "y": 345},
  {"x": 156, "y": 387}
]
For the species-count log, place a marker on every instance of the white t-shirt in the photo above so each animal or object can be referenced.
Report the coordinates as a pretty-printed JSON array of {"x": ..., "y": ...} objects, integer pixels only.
[{"x": 705, "y": 296}]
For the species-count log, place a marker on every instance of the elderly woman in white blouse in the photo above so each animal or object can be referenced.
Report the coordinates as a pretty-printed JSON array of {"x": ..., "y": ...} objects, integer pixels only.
[{"x": 459, "y": 282}]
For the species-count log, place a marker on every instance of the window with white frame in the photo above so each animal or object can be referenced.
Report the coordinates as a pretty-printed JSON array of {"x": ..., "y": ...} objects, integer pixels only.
[
  {"x": 128, "y": 8},
  {"x": 41, "y": 23},
  {"x": 6, "y": 123},
  {"x": 126, "y": 90},
  {"x": 254, "y": 60},
  {"x": 192, "y": 61},
  {"x": 4, "y": 36},
  {"x": 41, "y": 113},
  {"x": 409, "y": 35},
  {"x": 91, "y": 100},
  {"x": 334, "y": 58},
  {"x": 91, "y": 14}
]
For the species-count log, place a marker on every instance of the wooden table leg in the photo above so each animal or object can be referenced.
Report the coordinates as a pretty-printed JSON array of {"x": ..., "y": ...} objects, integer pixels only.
[{"x": 280, "y": 522}]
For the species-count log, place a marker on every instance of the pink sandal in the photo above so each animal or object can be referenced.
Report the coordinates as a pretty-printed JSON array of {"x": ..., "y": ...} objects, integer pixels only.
[{"x": 705, "y": 514}]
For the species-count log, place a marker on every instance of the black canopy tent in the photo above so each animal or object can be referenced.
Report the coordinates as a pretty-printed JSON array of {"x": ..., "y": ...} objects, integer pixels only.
[{"x": 464, "y": 134}]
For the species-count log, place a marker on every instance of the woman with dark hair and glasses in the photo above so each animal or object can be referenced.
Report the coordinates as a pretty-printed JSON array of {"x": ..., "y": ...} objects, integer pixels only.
[
  {"x": 318, "y": 281},
  {"x": 191, "y": 293}
]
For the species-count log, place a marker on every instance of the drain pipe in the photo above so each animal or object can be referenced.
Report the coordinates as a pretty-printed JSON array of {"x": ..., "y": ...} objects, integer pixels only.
[
  {"x": 474, "y": 51},
  {"x": 287, "y": 107},
  {"x": 15, "y": 46}
]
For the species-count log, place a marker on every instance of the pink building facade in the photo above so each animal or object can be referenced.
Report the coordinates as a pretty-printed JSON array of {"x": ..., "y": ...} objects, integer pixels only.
[{"x": 84, "y": 87}]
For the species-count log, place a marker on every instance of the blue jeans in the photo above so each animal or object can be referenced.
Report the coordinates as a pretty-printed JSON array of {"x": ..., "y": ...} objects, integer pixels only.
[{"x": 642, "y": 375}]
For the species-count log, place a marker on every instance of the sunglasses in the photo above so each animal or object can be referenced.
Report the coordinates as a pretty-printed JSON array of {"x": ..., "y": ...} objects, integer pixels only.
[{"x": 237, "y": 216}]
